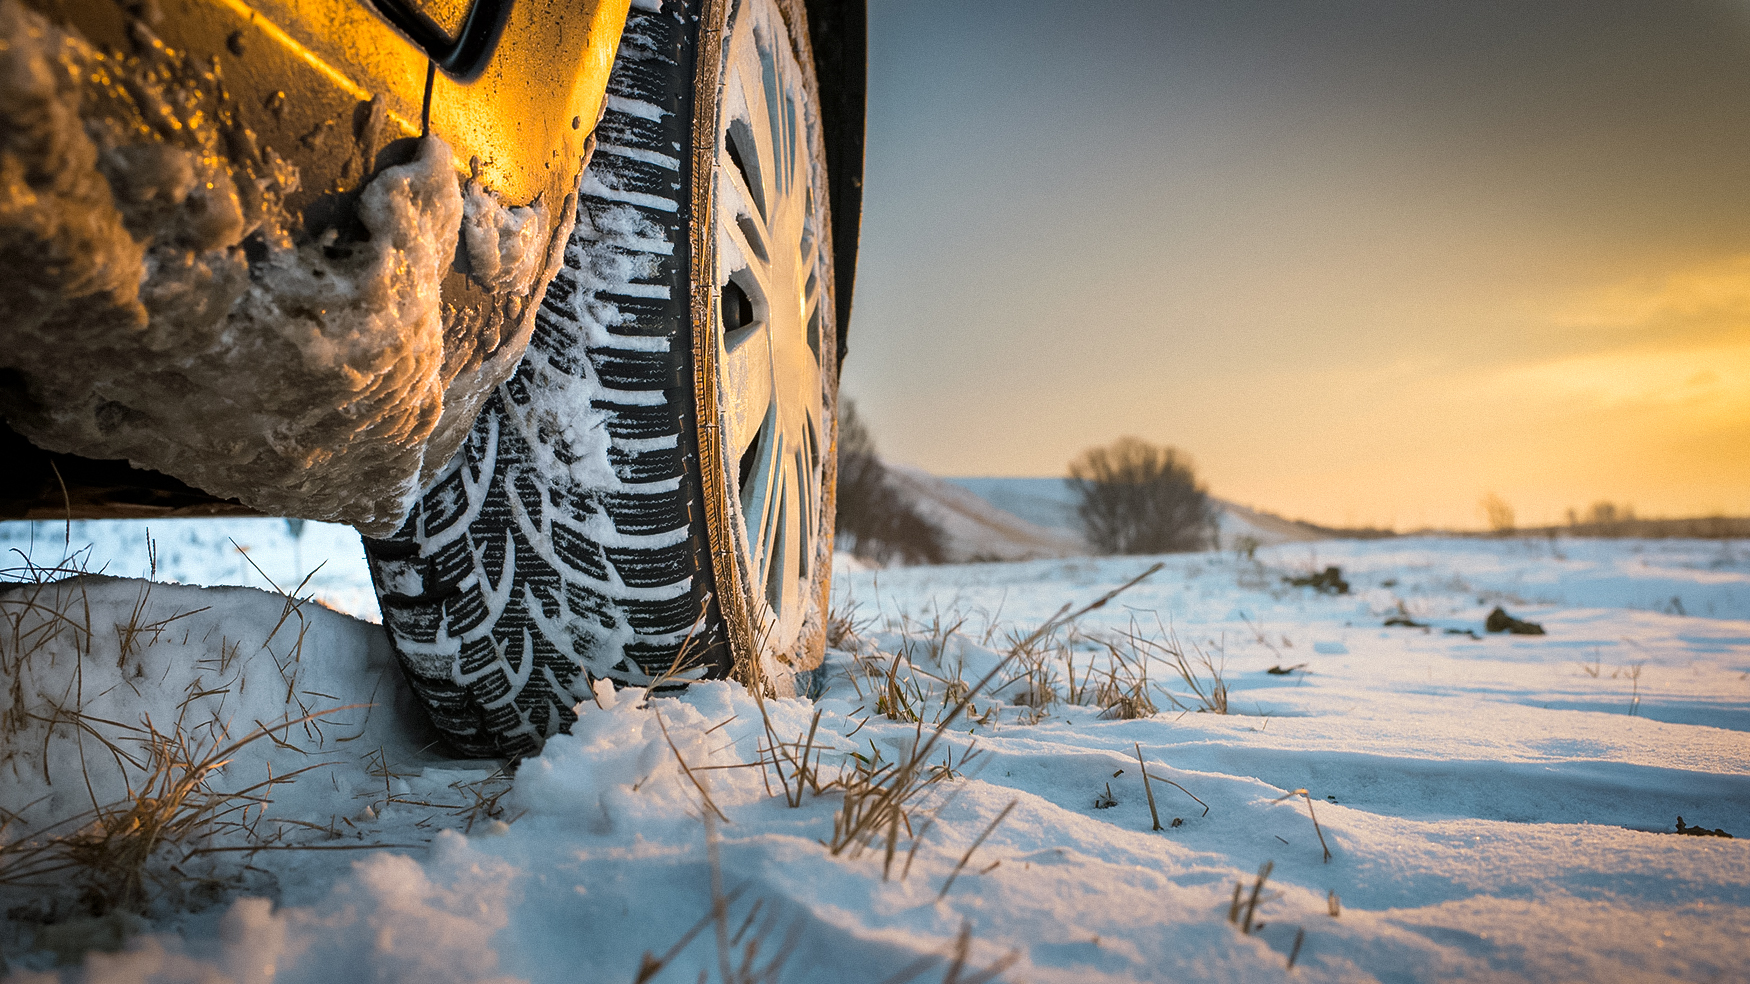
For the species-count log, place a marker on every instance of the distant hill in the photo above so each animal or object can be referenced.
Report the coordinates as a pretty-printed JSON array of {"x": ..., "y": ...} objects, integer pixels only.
[
  {"x": 1049, "y": 505},
  {"x": 1697, "y": 527},
  {"x": 1046, "y": 502},
  {"x": 1034, "y": 518},
  {"x": 977, "y": 529}
]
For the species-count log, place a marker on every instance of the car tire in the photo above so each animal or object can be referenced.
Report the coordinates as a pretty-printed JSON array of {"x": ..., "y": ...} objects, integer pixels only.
[{"x": 618, "y": 512}]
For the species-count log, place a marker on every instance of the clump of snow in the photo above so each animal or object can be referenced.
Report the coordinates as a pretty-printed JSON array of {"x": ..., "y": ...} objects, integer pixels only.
[
  {"x": 304, "y": 383},
  {"x": 62, "y": 234},
  {"x": 1497, "y": 808},
  {"x": 506, "y": 246}
]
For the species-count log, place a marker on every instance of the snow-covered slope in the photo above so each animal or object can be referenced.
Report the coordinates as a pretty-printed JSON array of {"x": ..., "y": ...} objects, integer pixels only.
[
  {"x": 1051, "y": 504},
  {"x": 976, "y": 528},
  {"x": 1268, "y": 529},
  {"x": 1046, "y": 502},
  {"x": 1496, "y": 808}
]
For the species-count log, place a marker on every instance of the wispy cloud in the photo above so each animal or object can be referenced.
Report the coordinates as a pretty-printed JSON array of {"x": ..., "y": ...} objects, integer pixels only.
[
  {"x": 1705, "y": 297},
  {"x": 1705, "y": 383}
]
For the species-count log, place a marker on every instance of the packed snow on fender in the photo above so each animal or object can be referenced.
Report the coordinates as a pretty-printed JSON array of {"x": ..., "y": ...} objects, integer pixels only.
[{"x": 195, "y": 793}]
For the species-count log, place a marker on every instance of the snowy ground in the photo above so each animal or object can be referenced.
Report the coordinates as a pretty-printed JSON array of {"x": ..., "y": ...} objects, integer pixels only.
[{"x": 1496, "y": 808}]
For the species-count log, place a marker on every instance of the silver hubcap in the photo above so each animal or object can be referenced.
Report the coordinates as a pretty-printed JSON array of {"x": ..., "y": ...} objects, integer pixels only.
[{"x": 771, "y": 275}]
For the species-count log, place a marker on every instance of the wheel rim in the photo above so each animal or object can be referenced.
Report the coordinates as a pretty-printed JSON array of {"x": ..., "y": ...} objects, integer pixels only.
[{"x": 772, "y": 278}]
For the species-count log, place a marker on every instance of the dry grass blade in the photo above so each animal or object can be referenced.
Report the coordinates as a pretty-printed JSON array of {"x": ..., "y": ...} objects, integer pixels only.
[
  {"x": 1038, "y": 677},
  {"x": 1244, "y": 914},
  {"x": 1151, "y": 796},
  {"x": 1209, "y": 695},
  {"x": 697, "y": 782},
  {"x": 879, "y": 798},
  {"x": 1040, "y": 690},
  {"x": 963, "y": 953},
  {"x": 739, "y": 954},
  {"x": 687, "y": 658},
  {"x": 957, "y": 963},
  {"x": 1060, "y": 619},
  {"x": 1146, "y": 788},
  {"x": 1315, "y": 818},
  {"x": 894, "y": 703},
  {"x": 650, "y": 965},
  {"x": 486, "y": 794},
  {"x": 801, "y": 756},
  {"x": 964, "y": 858}
]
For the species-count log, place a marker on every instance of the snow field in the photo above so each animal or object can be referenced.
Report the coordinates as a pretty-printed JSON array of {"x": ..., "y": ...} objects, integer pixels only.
[{"x": 1496, "y": 807}]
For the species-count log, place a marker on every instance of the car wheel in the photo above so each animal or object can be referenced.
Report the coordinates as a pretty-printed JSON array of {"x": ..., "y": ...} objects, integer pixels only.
[{"x": 649, "y": 499}]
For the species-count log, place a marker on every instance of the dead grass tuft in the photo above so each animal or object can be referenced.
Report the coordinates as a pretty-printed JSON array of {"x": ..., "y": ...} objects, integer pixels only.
[
  {"x": 1201, "y": 673},
  {"x": 1036, "y": 662},
  {"x": 1123, "y": 693},
  {"x": 797, "y": 763},
  {"x": 881, "y": 799},
  {"x": 845, "y": 624},
  {"x": 1243, "y": 911},
  {"x": 126, "y": 850},
  {"x": 169, "y": 811}
]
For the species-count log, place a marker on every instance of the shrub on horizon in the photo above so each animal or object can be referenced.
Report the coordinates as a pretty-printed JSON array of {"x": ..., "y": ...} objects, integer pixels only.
[{"x": 1139, "y": 498}]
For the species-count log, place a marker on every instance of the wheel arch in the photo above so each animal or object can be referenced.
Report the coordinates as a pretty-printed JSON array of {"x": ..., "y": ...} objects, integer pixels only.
[{"x": 838, "y": 30}]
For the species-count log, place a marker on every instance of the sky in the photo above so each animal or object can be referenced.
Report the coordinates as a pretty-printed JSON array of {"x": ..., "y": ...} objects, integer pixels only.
[{"x": 1365, "y": 263}]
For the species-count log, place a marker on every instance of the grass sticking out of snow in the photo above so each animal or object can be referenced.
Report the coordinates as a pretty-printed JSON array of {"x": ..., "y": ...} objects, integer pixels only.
[
  {"x": 169, "y": 816},
  {"x": 120, "y": 851},
  {"x": 1488, "y": 804}
]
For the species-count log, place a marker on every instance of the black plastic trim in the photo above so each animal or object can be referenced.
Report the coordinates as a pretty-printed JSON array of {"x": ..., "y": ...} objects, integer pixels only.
[
  {"x": 838, "y": 31},
  {"x": 463, "y": 57}
]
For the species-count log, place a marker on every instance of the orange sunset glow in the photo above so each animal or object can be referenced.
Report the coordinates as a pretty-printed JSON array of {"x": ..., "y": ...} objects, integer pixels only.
[{"x": 1366, "y": 264}]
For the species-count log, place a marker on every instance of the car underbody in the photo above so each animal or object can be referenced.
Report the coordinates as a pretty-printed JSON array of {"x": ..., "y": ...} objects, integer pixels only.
[{"x": 225, "y": 298}]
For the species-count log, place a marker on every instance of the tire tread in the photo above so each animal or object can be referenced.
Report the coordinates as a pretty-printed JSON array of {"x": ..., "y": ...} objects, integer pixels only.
[{"x": 524, "y": 576}]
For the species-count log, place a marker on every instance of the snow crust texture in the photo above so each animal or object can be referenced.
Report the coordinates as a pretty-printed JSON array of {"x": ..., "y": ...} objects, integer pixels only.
[
  {"x": 164, "y": 308},
  {"x": 1499, "y": 808}
]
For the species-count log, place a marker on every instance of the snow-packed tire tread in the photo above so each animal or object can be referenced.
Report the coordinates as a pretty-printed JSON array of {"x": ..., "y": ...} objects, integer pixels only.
[{"x": 501, "y": 601}]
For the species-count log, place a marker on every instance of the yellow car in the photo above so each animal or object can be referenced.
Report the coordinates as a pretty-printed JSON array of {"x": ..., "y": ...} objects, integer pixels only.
[{"x": 546, "y": 297}]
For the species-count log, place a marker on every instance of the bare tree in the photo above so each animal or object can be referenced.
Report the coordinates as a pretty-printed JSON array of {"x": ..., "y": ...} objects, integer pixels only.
[
  {"x": 875, "y": 520},
  {"x": 1137, "y": 497},
  {"x": 1497, "y": 513}
]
